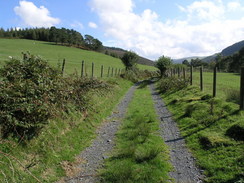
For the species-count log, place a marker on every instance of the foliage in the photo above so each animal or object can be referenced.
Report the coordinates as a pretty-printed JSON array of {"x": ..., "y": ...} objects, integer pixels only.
[
  {"x": 129, "y": 59},
  {"x": 26, "y": 95},
  {"x": 134, "y": 75},
  {"x": 53, "y": 34},
  {"x": 32, "y": 91},
  {"x": 171, "y": 84},
  {"x": 163, "y": 63}
]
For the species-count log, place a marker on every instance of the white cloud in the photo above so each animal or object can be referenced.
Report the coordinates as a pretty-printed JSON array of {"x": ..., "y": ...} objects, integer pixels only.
[
  {"x": 33, "y": 16},
  {"x": 77, "y": 25},
  {"x": 92, "y": 25},
  {"x": 205, "y": 30}
]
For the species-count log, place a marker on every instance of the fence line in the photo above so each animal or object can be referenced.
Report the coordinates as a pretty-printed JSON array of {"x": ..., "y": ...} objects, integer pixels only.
[
  {"x": 111, "y": 72},
  {"x": 183, "y": 73}
]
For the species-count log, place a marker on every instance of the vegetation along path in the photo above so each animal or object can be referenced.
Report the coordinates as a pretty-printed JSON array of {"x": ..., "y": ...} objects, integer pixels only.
[
  {"x": 185, "y": 170},
  {"x": 94, "y": 155}
]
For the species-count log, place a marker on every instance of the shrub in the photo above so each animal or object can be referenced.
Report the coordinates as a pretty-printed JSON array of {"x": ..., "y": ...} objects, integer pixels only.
[
  {"x": 26, "y": 95},
  {"x": 31, "y": 92},
  {"x": 171, "y": 84}
]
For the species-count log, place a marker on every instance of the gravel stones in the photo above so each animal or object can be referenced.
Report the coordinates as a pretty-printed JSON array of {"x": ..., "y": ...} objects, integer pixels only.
[
  {"x": 185, "y": 170},
  {"x": 95, "y": 154}
]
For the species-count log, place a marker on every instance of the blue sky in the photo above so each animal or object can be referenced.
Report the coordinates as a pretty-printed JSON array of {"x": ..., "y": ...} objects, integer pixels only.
[{"x": 152, "y": 28}]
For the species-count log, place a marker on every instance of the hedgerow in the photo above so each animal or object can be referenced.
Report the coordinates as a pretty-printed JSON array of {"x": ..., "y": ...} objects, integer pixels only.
[{"x": 32, "y": 92}]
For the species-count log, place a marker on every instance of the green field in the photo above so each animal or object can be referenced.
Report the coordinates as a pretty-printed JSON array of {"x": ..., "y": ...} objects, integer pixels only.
[
  {"x": 55, "y": 55},
  {"x": 226, "y": 83}
]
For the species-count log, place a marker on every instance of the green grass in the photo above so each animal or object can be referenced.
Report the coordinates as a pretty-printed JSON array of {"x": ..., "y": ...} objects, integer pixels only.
[
  {"x": 226, "y": 83},
  {"x": 51, "y": 155},
  {"x": 55, "y": 55},
  {"x": 212, "y": 129},
  {"x": 140, "y": 155}
]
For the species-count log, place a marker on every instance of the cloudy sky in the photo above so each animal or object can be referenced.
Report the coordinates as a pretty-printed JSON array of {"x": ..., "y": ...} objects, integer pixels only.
[{"x": 175, "y": 28}]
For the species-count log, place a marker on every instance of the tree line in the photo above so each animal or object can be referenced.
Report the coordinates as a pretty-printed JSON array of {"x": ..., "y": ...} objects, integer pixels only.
[
  {"x": 62, "y": 36},
  {"x": 230, "y": 63}
]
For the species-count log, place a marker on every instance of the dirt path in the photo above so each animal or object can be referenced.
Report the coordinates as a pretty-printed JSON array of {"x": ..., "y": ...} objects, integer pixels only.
[
  {"x": 185, "y": 170},
  {"x": 94, "y": 155}
]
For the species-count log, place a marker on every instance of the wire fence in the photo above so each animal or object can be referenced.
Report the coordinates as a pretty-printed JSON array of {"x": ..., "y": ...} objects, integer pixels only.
[{"x": 228, "y": 86}]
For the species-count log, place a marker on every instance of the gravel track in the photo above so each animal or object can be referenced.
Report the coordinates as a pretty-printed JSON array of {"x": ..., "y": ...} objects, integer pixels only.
[
  {"x": 94, "y": 155},
  {"x": 185, "y": 169}
]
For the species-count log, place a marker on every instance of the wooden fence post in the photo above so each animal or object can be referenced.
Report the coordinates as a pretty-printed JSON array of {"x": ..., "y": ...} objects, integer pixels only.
[
  {"x": 191, "y": 75},
  {"x": 112, "y": 72},
  {"x": 108, "y": 71},
  {"x": 178, "y": 72},
  {"x": 214, "y": 81},
  {"x": 201, "y": 78},
  {"x": 82, "y": 68},
  {"x": 119, "y": 72},
  {"x": 101, "y": 71},
  {"x": 115, "y": 74},
  {"x": 242, "y": 89},
  {"x": 92, "y": 69},
  {"x": 184, "y": 73},
  {"x": 63, "y": 67}
]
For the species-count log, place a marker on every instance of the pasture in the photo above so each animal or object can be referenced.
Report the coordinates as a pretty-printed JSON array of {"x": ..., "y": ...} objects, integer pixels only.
[{"x": 56, "y": 53}]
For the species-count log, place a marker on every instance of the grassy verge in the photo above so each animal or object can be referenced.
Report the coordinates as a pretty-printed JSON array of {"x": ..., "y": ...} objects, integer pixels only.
[
  {"x": 48, "y": 156},
  {"x": 213, "y": 130},
  {"x": 140, "y": 154}
]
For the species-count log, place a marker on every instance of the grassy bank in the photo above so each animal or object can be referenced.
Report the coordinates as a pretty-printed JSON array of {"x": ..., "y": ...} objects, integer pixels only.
[
  {"x": 56, "y": 53},
  {"x": 50, "y": 155},
  {"x": 213, "y": 130},
  {"x": 140, "y": 154}
]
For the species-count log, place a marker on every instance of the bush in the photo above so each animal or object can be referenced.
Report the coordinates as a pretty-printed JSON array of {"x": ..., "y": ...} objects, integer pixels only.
[
  {"x": 26, "y": 95},
  {"x": 134, "y": 74},
  {"x": 31, "y": 92},
  {"x": 171, "y": 84}
]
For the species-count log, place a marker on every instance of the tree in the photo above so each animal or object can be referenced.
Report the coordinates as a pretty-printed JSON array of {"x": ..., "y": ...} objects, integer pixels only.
[
  {"x": 129, "y": 59},
  {"x": 185, "y": 62},
  {"x": 163, "y": 63}
]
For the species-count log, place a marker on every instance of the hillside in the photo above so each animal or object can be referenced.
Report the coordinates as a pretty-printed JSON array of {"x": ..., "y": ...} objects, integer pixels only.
[
  {"x": 119, "y": 52},
  {"x": 230, "y": 50},
  {"x": 55, "y": 54}
]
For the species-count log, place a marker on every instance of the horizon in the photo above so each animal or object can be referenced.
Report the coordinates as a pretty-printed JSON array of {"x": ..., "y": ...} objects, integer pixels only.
[{"x": 151, "y": 28}]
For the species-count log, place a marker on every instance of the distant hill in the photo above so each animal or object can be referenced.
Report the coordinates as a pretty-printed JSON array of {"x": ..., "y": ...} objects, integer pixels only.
[
  {"x": 180, "y": 60},
  {"x": 118, "y": 52},
  {"x": 230, "y": 50}
]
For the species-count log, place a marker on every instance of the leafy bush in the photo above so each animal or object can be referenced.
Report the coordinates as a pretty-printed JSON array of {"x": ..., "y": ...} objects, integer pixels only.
[
  {"x": 134, "y": 74},
  {"x": 26, "y": 95},
  {"x": 31, "y": 92},
  {"x": 171, "y": 84}
]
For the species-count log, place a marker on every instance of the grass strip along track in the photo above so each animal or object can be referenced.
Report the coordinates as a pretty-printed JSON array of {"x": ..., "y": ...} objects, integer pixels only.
[
  {"x": 140, "y": 154},
  {"x": 213, "y": 130}
]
